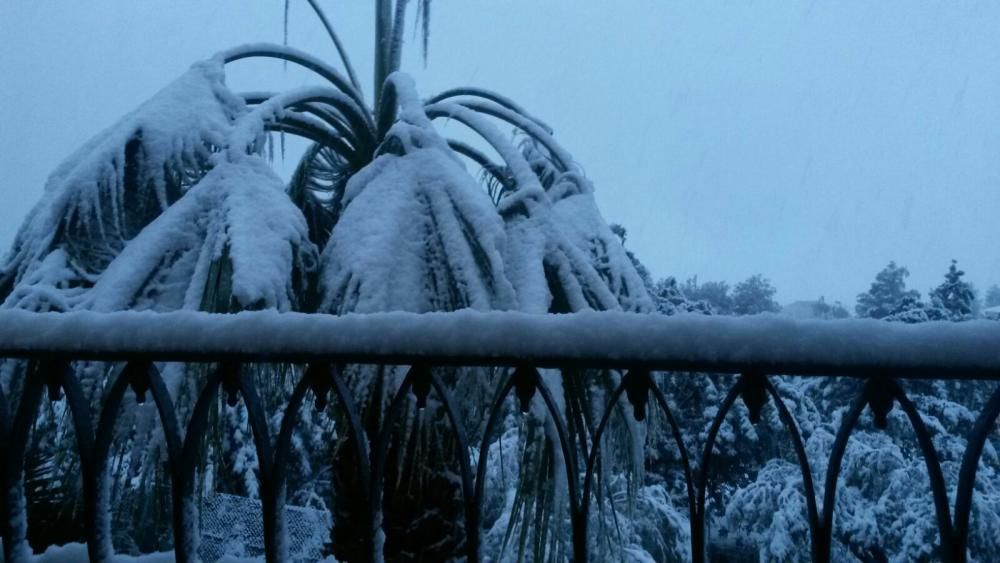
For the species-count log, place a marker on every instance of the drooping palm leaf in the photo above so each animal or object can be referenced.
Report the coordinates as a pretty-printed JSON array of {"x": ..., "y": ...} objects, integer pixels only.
[
  {"x": 118, "y": 182},
  {"x": 238, "y": 210},
  {"x": 417, "y": 218}
]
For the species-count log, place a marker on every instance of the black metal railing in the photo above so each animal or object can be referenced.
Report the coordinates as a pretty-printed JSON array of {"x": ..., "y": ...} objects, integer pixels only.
[{"x": 642, "y": 347}]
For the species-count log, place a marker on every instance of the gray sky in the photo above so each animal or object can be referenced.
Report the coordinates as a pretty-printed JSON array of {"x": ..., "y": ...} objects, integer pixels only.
[{"x": 809, "y": 141}]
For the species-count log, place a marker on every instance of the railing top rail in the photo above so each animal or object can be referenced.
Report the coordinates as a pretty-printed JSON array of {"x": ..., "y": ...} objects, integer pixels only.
[{"x": 766, "y": 343}]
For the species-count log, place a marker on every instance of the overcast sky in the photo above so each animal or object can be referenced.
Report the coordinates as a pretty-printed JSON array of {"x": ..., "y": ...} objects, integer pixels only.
[{"x": 809, "y": 141}]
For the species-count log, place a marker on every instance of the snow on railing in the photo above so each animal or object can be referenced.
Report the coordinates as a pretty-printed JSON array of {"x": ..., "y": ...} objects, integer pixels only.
[
  {"x": 770, "y": 343},
  {"x": 633, "y": 345}
]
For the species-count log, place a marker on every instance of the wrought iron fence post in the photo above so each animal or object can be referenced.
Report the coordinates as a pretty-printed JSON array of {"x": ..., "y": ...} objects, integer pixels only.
[
  {"x": 14, "y": 523},
  {"x": 99, "y": 547},
  {"x": 4, "y": 448},
  {"x": 379, "y": 453},
  {"x": 572, "y": 471},
  {"x": 319, "y": 379},
  {"x": 808, "y": 487},
  {"x": 698, "y": 540},
  {"x": 938, "y": 488},
  {"x": 275, "y": 550},
  {"x": 847, "y": 424},
  {"x": 967, "y": 475},
  {"x": 188, "y": 537}
]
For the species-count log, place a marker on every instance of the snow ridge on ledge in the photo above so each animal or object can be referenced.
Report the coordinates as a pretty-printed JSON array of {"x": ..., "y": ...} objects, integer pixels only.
[{"x": 767, "y": 343}]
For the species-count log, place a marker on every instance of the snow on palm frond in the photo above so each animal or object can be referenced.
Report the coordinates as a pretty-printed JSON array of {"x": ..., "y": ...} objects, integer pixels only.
[
  {"x": 552, "y": 264},
  {"x": 575, "y": 212},
  {"x": 50, "y": 285},
  {"x": 237, "y": 213},
  {"x": 550, "y": 272},
  {"x": 576, "y": 217},
  {"x": 416, "y": 232},
  {"x": 114, "y": 185}
]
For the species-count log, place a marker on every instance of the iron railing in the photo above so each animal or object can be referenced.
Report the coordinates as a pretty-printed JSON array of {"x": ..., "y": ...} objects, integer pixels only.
[{"x": 638, "y": 345}]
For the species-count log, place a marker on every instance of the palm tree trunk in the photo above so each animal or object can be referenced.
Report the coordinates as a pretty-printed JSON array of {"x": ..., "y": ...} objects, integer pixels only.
[{"x": 383, "y": 44}]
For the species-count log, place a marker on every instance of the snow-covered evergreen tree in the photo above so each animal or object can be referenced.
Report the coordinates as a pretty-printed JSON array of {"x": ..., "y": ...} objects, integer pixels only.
[
  {"x": 754, "y": 295},
  {"x": 887, "y": 293},
  {"x": 715, "y": 293},
  {"x": 954, "y": 295},
  {"x": 884, "y": 509}
]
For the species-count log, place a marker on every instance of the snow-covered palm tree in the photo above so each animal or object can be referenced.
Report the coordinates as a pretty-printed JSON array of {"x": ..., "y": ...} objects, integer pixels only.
[{"x": 177, "y": 206}]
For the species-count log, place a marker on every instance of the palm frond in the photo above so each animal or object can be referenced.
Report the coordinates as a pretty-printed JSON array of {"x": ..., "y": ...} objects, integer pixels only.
[
  {"x": 239, "y": 208},
  {"x": 301, "y": 58},
  {"x": 341, "y": 51},
  {"x": 108, "y": 191}
]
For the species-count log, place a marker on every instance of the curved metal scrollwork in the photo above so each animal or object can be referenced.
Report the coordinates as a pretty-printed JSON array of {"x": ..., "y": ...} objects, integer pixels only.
[
  {"x": 85, "y": 444},
  {"x": 939, "y": 491},
  {"x": 525, "y": 381},
  {"x": 13, "y": 522},
  {"x": 93, "y": 443},
  {"x": 880, "y": 394},
  {"x": 808, "y": 488},
  {"x": 847, "y": 423},
  {"x": 468, "y": 492},
  {"x": 588, "y": 476},
  {"x": 319, "y": 379},
  {"x": 420, "y": 380},
  {"x": 638, "y": 384},
  {"x": 698, "y": 517},
  {"x": 236, "y": 384},
  {"x": 141, "y": 377},
  {"x": 754, "y": 388},
  {"x": 56, "y": 376},
  {"x": 186, "y": 548},
  {"x": 675, "y": 429},
  {"x": 262, "y": 444},
  {"x": 967, "y": 474}
]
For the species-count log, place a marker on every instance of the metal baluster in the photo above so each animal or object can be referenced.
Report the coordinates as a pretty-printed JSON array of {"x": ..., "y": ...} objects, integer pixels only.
[
  {"x": 468, "y": 494},
  {"x": 698, "y": 518},
  {"x": 141, "y": 376},
  {"x": 847, "y": 424},
  {"x": 99, "y": 548},
  {"x": 496, "y": 410},
  {"x": 186, "y": 544},
  {"x": 14, "y": 520},
  {"x": 274, "y": 516},
  {"x": 319, "y": 379},
  {"x": 679, "y": 440},
  {"x": 588, "y": 475},
  {"x": 967, "y": 475},
  {"x": 934, "y": 475},
  {"x": 808, "y": 487},
  {"x": 572, "y": 469},
  {"x": 283, "y": 446},
  {"x": 380, "y": 452}
]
